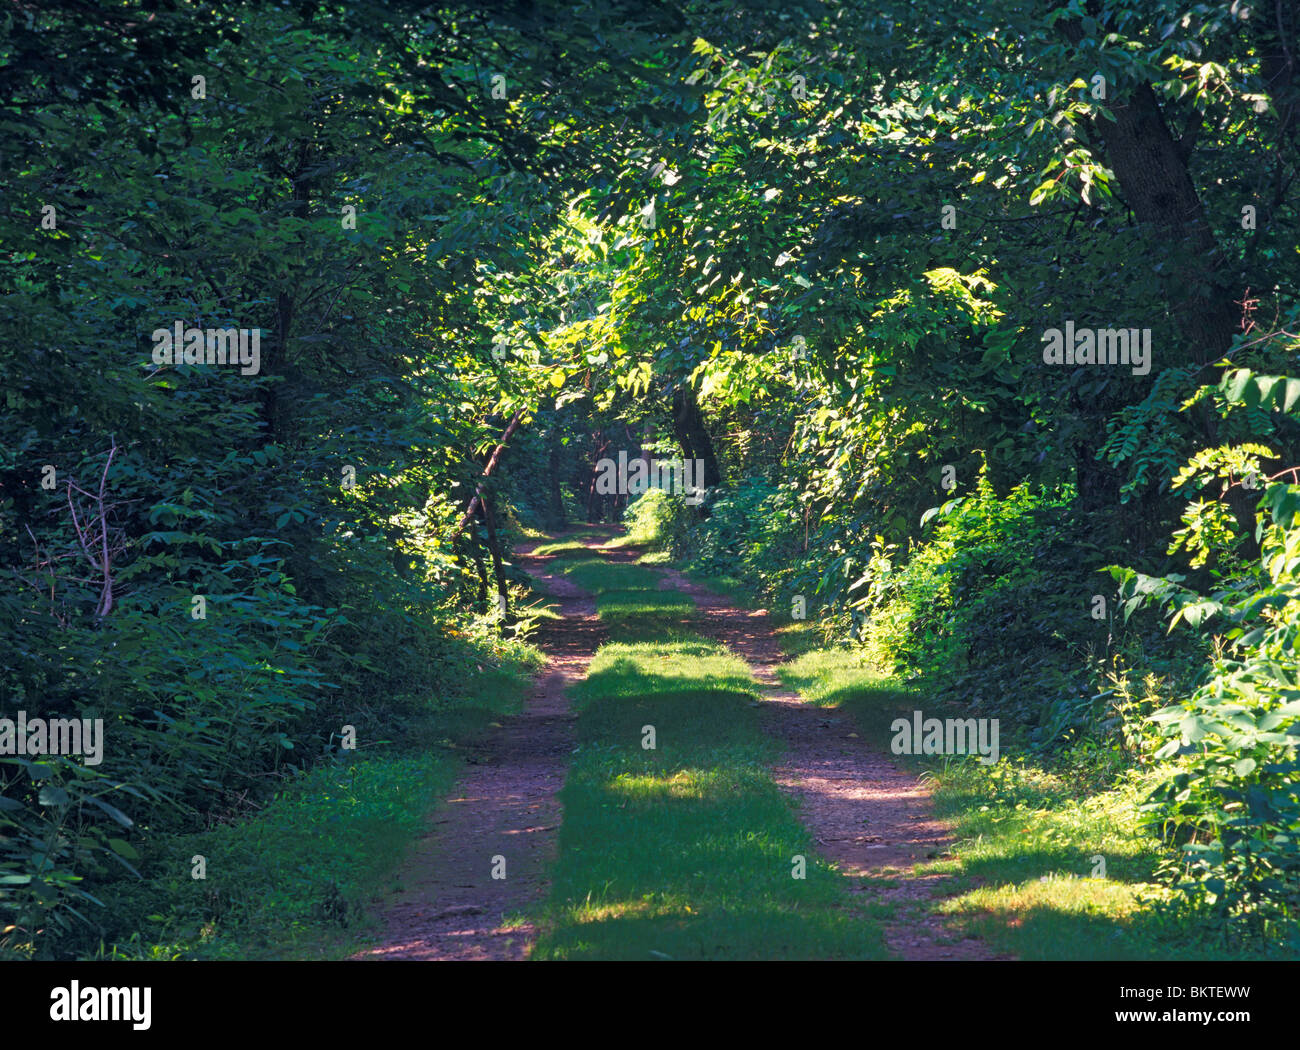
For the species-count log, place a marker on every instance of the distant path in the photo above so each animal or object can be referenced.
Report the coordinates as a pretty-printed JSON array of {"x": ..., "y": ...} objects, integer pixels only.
[
  {"x": 870, "y": 819},
  {"x": 505, "y": 805}
]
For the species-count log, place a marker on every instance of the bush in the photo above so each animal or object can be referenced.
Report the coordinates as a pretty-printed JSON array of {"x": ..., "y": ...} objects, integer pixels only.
[
  {"x": 751, "y": 535},
  {"x": 1232, "y": 797},
  {"x": 654, "y": 520},
  {"x": 999, "y": 575}
]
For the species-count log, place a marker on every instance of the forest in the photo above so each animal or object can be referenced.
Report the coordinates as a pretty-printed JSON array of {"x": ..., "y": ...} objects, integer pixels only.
[{"x": 650, "y": 480}]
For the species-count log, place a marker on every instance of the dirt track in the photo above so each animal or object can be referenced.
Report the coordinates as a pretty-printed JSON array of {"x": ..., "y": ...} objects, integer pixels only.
[
  {"x": 870, "y": 819},
  {"x": 505, "y": 806}
]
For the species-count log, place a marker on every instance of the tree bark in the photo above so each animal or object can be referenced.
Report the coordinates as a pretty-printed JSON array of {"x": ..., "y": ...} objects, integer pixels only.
[
  {"x": 692, "y": 435},
  {"x": 494, "y": 548},
  {"x": 553, "y": 469},
  {"x": 1151, "y": 167},
  {"x": 487, "y": 472}
]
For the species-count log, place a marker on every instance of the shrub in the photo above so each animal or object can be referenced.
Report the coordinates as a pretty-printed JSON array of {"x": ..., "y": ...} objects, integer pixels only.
[{"x": 1232, "y": 795}]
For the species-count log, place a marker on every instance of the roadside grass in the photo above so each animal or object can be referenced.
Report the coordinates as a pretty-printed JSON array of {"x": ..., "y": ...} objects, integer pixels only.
[
  {"x": 1048, "y": 863},
  {"x": 735, "y": 590},
  {"x": 294, "y": 880},
  {"x": 653, "y": 557},
  {"x": 799, "y": 636},
  {"x": 645, "y": 530},
  {"x": 535, "y": 601},
  {"x": 591, "y": 532},
  {"x": 686, "y": 850},
  {"x": 543, "y": 606}
]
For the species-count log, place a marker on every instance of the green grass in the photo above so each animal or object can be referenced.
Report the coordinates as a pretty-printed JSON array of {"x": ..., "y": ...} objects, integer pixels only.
[
  {"x": 596, "y": 575},
  {"x": 561, "y": 550},
  {"x": 629, "y": 601},
  {"x": 799, "y": 636},
  {"x": 685, "y": 851},
  {"x": 647, "y": 519},
  {"x": 645, "y": 615},
  {"x": 287, "y": 883},
  {"x": 293, "y": 880},
  {"x": 1028, "y": 839},
  {"x": 654, "y": 558},
  {"x": 735, "y": 589},
  {"x": 543, "y": 607},
  {"x": 536, "y": 603}
]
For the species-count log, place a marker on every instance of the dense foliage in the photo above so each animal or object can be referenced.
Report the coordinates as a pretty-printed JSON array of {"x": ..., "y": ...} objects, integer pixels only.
[{"x": 815, "y": 246}]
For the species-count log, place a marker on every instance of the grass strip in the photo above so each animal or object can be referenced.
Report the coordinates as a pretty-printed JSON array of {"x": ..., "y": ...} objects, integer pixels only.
[{"x": 686, "y": 850}]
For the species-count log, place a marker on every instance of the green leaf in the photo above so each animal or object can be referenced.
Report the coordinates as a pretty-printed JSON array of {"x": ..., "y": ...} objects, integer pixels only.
[{"x": 123, "y": 849}]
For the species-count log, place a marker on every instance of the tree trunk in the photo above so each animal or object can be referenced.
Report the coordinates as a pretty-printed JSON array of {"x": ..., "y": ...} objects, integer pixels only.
[
  {"x": 1151, "y": 168},
  {"x": 553, "y": 467},
  {"x": 468, "y": 516},
  {"x": 494, "y": 547},
  {"x": 482, "y": 580},
  {"x": 1152, "y": 171},
  {"x": 692, "y": 435}
]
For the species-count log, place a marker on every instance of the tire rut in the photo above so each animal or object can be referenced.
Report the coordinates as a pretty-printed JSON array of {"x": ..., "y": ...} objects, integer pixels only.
[
  {"x": 871, "y": 820},
  {"x": 505, "y": 805}
]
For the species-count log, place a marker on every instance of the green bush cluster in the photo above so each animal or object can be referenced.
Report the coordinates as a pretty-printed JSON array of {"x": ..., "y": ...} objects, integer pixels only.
[{"x": 1231, "y": 795}]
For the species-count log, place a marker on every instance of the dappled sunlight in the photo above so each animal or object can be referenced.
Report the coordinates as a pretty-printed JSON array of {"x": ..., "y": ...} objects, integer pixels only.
[
  {"x": 1069, "y": 917},
  {"x": 1069, "y": 894},
  {"x": 685, "y": 784},
  {"x": 687, "y": 848},
  {"x": 677, "y": 666}
]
